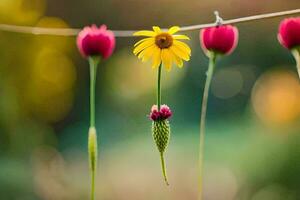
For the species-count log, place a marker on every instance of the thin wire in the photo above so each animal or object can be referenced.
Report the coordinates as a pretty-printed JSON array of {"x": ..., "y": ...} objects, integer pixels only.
[{"x": 129, "y": 33}]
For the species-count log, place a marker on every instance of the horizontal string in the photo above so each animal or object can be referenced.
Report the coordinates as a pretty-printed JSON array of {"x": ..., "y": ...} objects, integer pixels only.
[{"x": 129, "y": 33}]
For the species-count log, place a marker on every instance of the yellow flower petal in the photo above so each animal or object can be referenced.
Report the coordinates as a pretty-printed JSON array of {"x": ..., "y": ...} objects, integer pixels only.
[
  {"x": 156, "y": 29},
  {"x": 167, "y": 57},
  {"x": 156, "y": 58},
  {"x": 143, "y": 40},
  {"x": 181, "y": 37},
  {"x": 145, "y": 33},
  {"x": 181, "y": 54},
  {"x": 142, "y": 46},
  {"x": 141, "y": 54},
  {"x": 184, "y": 47},
  {"x": 147, "y": 53},
  {"x": 178, "y": 61},
  {"x": 173, "y": 29}
]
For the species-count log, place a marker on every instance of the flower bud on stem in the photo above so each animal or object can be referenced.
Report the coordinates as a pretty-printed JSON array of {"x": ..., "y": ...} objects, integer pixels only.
[
  {"x": 289, "y": 37},
  {"x": 212, "y": 60},
  {"x": 160, "y": 126},
  {"x": 161, "y": 136}
]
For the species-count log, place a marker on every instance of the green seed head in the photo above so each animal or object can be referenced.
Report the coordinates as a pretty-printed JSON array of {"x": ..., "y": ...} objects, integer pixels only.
[{"x": 161, "y": 134}]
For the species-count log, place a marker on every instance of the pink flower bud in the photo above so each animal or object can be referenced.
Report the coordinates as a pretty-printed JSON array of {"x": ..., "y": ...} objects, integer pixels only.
[
  {"x": 289, "y": 32},
  {"x": 220, "y": 39},
  {"x": 94, "y": 41},
  {"x": 154, "y": 115},
  {"x": 164, "y": 113}
]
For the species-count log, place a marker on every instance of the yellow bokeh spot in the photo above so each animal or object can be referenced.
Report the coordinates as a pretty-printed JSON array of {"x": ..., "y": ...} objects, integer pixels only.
[
  {"x": 276, "y": 97},
  {"x": 50, "y": 87},
  {"x": 21, "y": 11},
  {"x": 57, "y": 42}
]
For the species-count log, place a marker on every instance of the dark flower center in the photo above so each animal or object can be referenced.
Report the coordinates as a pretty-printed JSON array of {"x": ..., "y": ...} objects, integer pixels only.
[{"x": 164, "y": 40}]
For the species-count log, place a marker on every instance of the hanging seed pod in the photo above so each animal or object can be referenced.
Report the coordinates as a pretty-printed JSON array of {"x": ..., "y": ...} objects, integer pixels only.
[{"x": 161, "y": 132}]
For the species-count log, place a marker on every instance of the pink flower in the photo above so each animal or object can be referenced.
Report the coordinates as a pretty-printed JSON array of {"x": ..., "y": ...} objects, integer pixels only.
[
  {"x": 289, "y": 32},
  {"x": 93, "y": 41},
  {"x": 154, "y": 115},
  {"x": 164, "y": 113},
  {"x": 220, "y": 39}
]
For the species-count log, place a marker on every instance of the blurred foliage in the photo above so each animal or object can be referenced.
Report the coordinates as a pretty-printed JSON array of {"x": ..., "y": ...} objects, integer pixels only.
[{"x": 252, "y": 147}]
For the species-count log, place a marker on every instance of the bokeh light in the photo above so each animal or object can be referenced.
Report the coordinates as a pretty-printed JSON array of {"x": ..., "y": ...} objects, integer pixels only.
[
  {"x": 276, "y": 97},
  {"x": 50, "y": 87},
  {"x": 21, "y": 11}
]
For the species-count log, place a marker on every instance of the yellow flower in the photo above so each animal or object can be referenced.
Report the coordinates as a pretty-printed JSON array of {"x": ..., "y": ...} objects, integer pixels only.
[{"x": 162, "y": 47}]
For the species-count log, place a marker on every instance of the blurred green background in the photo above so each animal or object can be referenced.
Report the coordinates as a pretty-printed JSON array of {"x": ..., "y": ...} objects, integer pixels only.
[{"x": 253, "y": 139}]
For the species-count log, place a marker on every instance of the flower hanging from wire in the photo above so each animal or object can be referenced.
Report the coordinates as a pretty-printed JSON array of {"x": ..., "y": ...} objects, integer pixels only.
[
  {"x": 220, "y": 39},
  {"x": 162, "y": 47},
  {"x": 289, "y": 37},
  {"x": 94, "y": 44},
  {"x": 215, "y": 41},
  {"x": 94, "y": 41}
]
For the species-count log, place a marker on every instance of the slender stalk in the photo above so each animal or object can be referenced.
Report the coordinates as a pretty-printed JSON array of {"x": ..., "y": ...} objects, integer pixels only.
[
  {"x": 163, "y": 167},
  {"x": 296, "y": 54},
  {"x": 212, "y": 60},
  {"x": 162, "y": 159},
  {"x": 93, "y": 186},
  {"x": 159, "y": 86},
  {"x": 92, "y": 146},
  {"x": 94, "y": 61}
]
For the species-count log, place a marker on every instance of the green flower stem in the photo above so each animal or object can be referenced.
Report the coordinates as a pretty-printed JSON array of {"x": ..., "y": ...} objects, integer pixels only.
[
  {"x": 94, "y": 61},
  {"x": 162, "y": 159},
  {"x": 296, "y": 54},
  {"x": 159, "y": 87},
  {"x": 92, "y": 142},
  {"x": 163, "y": 167},
  {"x": 212, "y": 61},
  {"x": 93, "y": 186},
  {"x": 93, "y": 150}
]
